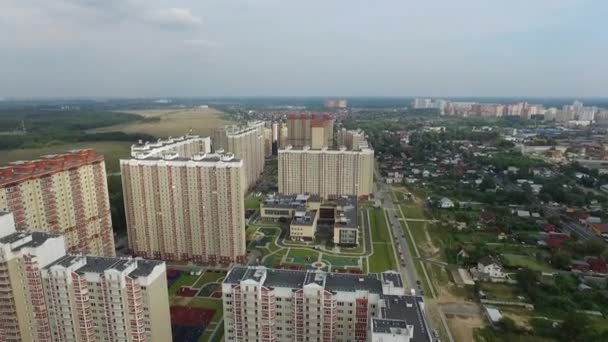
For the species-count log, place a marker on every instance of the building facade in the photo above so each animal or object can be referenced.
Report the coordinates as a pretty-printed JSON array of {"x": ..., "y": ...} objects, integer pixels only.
[
  {"x": 316, "y": 131},
  {"x": 263, "y": 304},
  {"x": 308, "y": 214},
  {"x": 64, "y": 194},
  {"x": 326, "y": 172},
  {"x": 188, "y": 209},
  {"x": 246, "y": 143},
  {"x": 48, "y": 295}
]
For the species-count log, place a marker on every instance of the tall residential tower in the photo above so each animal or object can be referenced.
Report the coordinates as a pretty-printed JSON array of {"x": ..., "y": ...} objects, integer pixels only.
[
  {"x": 64, "y": 194},
  {"x": 185, "y": 208},
  {"x": 246, "y": 142}
]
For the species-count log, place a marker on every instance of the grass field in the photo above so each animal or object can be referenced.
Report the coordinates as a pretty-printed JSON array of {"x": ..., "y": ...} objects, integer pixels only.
[
  {"x": 413, "y": 212},
  {"x": 252, "y": 203},
  {"x": 209, "y": 277},
  {"x": 172, "y": 122},
  {"x": 111, "y": 150},
  {"x": 383, "y": 258},
  {"x": 184, "y": 280},
  {"x": 340, "y": 262},
  {"x": 275, "y": 259},
  {"x": 513, "y": 260},
  {"x": 302, "y": 256}
]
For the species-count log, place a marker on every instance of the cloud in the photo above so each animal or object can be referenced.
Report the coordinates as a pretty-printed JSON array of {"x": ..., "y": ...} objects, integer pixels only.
[{"x": 172, "y": 17}]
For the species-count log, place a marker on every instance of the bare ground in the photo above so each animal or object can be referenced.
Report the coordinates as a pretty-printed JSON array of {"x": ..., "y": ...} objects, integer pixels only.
[{"x": 462, "y": 328}]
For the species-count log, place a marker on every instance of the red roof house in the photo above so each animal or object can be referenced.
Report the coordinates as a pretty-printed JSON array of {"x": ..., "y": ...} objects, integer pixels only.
[{"x": 597, "y": 265}]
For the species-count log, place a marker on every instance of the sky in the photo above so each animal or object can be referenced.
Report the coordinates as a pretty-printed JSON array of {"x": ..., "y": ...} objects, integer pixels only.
[{"x": 210, "y": 48}]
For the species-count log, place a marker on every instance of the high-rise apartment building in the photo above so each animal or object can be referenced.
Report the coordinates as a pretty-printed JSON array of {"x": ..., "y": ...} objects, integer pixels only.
[
  {"x": 185, "y": 146},
  {"x": 327, "y": 172},
  {"x": 181, "y": 208},
  {"x": 246, "y": 143},
  {"x": 316, "y": 131},
  {"x": 64, "y": 194},
  {"x": 48, "y": 295},
  {"x": 351, "y": 139},
  {"x": 268, "y": 141},
  {"x": 263, "y": 304}
]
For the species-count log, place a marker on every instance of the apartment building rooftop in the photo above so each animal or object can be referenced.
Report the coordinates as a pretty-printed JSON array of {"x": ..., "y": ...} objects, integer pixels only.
[
  {"x": 23, "y": 170},
  {"x": 362, "y": 147},
  {"x": 90, "y": 264},
  {"x": 388, "y": 326},
  {"x": 23, "y": 239},
  {"x": 297, "y": 279},
  {"x": 408, "y": 309},
  {"x": 200, "y": 157},
  {"x": 289, "y": 201},
  {"x": 150, "y": 145}
]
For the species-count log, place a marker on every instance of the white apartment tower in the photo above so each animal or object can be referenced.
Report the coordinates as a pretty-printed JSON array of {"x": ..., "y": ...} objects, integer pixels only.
[
  {"x": 263, "y": 304},
  {"x": 47, "y": 295},
  {"x": 185, "y": 208},
  {"x": 246, "y": 143},
  {"x": 327, "y": 172}
]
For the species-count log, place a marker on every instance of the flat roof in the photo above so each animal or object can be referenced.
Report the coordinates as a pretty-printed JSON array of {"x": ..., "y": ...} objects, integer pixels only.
[
  {"x": 95, "y": 264},
  {"x": 408, "y": 309},
  {"x": 297, "y": 279},
  {"x": 37, "y": 239}
]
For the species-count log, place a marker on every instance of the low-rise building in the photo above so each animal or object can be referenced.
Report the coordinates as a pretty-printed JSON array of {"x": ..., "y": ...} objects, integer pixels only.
[
  {"x": 308, "y": 213},
  {"x": 284, "y": 305},
  {"x": 490, "y": 267}
]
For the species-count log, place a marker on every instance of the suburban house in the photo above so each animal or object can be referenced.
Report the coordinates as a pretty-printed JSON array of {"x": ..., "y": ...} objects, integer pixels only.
[
  {"x": 490, "y": 267},
  {"x": 600, "y": 229},
  {"x": 445, "y": 203},
  {"x": 597, "y": 265}
]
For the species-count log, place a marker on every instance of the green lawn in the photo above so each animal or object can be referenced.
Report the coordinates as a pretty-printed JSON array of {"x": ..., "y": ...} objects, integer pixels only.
[
  {"x": 302, "y": 256},
  {"x": 496, "y": 291},
  {"x": 383, "y": 258},
  {"x": 339, "y": 262},
  {"x": 252, "y": 203},
  {"x": 413, "y": 212},
  {"x": 379, "y": 230},
  {"x": 275, "y": 259},
  {"x": 515, "y": 261},
  {"x": 210, "y": 277},
  {"x": 184, "y": 280}
]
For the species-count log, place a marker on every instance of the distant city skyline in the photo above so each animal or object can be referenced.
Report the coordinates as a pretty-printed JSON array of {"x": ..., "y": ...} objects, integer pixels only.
[{"x": 153, "y": 48}]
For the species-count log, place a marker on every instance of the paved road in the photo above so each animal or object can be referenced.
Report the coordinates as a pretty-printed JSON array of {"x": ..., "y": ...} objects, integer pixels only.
[
  {"x": 406, "y": 267},
  {"x": 577, "y": 229}
]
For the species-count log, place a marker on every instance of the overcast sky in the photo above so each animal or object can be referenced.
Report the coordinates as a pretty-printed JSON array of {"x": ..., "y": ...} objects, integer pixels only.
[{"x": 156, "y": 48}]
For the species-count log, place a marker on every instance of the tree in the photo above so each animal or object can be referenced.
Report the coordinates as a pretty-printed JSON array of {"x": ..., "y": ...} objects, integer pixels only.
[
  {"x": 508, "y": 325},
  {"x": 576, "y": 327},
  {"x": 526, "y": 279},
  {"x": 561, "y": 260},
  {"x": 487, "y": 183},
  {"x": 595, "y": 246}
]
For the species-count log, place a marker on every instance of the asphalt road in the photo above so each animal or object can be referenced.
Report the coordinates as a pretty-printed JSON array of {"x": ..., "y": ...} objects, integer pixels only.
[{"x": 407, "y": 269}]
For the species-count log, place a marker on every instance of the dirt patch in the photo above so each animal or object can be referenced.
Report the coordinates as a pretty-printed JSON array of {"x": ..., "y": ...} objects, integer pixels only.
[{"x": 462, "y": 328}]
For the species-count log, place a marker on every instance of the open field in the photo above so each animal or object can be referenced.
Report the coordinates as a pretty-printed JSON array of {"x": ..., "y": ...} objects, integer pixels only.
[
  {"x": 111, "y": 150},
  {"x": 210, "y": 277},
  {"x": 171, "y": 122},
  {"x": 513, "y": 260},
  {"x": 413, "y": 212},
  {"x": 383, "y": 258}
]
